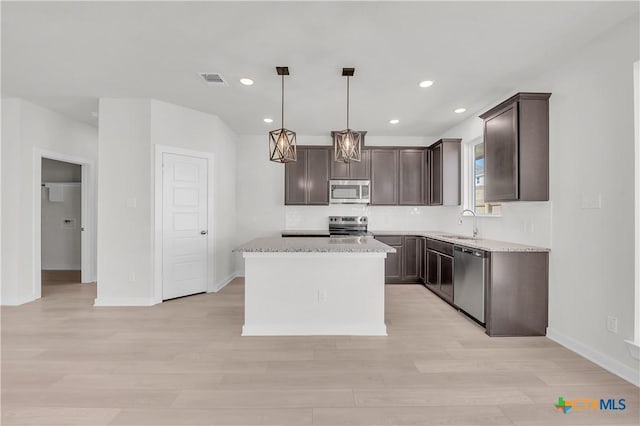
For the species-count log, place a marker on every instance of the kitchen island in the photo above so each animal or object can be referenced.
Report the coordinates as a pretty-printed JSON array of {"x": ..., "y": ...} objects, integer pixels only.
[{"x": 314, "y": 286}]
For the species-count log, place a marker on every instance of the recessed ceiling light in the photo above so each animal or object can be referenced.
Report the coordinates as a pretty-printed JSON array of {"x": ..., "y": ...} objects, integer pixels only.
[
  {"x": 268, "y": 120},
  {"x": 246, "y": 81},
  {"x": 426, "y": 83},
  {"x": 459, "y": 110},
  {"x": 394, "y": 121}
]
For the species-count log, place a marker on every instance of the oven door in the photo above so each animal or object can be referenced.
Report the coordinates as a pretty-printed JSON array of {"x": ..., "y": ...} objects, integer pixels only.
[{"x": 349, "y": 191}]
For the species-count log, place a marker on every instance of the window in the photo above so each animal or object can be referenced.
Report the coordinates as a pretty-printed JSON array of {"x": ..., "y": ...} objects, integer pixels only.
[{"x": 475, "y": 172}]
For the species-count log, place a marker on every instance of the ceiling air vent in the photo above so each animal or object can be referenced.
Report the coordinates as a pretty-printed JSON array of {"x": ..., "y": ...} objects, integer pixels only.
[{"x": 213, "y": 79}]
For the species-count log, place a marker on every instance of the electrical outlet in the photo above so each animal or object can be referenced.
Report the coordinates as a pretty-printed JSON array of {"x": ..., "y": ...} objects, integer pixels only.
[
  {"x": 132, "y": 277},
  {"x": 612, "y": 324},
  {"x": 322, "y": 295}
]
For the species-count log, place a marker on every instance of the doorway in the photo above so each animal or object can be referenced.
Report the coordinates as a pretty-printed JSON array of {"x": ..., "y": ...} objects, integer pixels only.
[
  {"x": 184, "y": 206},
  {"x": 64, "y": 243},
  {"x": 61, "y": 219}
]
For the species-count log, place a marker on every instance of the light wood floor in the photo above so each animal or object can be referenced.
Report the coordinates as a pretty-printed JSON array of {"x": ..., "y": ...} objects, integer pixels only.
[{"x": 183, "y": 362}]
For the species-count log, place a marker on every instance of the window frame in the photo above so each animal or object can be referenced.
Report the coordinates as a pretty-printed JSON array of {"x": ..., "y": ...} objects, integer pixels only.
[{"x": 468, "y": 177}]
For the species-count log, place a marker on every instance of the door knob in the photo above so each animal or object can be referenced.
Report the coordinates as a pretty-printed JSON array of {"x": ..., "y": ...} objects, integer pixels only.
[{"x": 203, "y": 232}]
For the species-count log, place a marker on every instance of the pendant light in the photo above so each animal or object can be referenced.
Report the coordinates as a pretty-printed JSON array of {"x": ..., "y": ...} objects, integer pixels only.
[
  {"x": 282, "y": 142},
  {"x": 347, "y": 143}
]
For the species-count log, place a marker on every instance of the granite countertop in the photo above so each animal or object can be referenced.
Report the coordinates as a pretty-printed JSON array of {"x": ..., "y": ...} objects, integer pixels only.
[
  {"x": 303, "y": 232},
  {"x": 315, "y": 245},
  {"x": 477, "y": 243}
]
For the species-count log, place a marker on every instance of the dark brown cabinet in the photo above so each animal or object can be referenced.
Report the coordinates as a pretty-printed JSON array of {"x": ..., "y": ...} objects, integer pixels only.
[
  {"x": 516, "y": 287},
  {"x": 306, "y": 181},
  {"x": 356, "y": 170},
  {"x": 393, "y": 262},
  {"x": 444, "y": 172},
  {"x": 439, "y": 261},
  {"x": 435, "y": 173},
  {"x": 423, "y": 263},
  {"x": 398, "y": 176},
  {"x": 446, "y": 277},
  {"x": 384, "y": 177},
  {"x": 412, "y": 259},
  {"x": 412, "y": 171},
  {"x": 516, "y": 140},
  {"x": 517, "y": 293},
  {"x": 404, "y": 266}
]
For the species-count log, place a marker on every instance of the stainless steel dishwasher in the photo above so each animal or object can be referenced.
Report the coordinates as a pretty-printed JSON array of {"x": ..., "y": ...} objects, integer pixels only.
[{"x": 468, "y": 281}]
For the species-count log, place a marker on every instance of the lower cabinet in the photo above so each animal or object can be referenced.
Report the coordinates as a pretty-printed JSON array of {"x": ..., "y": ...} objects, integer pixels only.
[
  {"x": 412, "y": 259},
  {"x": 423, "y": 263},
  {"x": 439, "y": 274},
  {"x": 516, "y": 283},
  {"x": 405, "y": 265}
]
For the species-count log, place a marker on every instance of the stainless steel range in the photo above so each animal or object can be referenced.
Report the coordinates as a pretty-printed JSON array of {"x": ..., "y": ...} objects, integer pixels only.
[{"x": 349, "y": 225}]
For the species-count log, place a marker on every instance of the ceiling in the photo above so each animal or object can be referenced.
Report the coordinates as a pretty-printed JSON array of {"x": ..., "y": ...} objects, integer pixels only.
[{"x": 65, "y": 56}]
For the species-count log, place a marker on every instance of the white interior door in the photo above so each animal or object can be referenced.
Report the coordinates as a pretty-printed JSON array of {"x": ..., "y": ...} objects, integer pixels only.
[{"x": 184, "y": 225}]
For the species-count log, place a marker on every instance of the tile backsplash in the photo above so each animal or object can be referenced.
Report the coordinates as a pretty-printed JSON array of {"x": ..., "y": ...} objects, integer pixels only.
[
  {"x": 525, "y": 223},
  {"x": 381, "y": 218}
]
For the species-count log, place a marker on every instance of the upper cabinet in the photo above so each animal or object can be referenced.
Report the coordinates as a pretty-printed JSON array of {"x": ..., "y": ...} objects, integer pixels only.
[
  {"x": 306, "y": 181},
  {"x": 398, "y": 176},
  {"x": 412, "y": 171},
  {"x": 444, "y": 171},
  {"x": 355, "y": 170},
  {"x": 516, "y": 139},
  {"x": 384, "y": 177}
]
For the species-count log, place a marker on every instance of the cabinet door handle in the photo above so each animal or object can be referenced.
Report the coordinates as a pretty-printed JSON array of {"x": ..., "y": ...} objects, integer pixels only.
[{"x": 203, "y": 232}]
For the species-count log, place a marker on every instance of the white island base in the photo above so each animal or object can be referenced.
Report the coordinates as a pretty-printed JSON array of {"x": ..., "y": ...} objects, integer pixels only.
[{"x": 314, "y": 293}]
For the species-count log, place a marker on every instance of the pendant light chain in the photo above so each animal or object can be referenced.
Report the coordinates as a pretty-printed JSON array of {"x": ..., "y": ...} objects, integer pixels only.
[
  {"x": 347, "y": 102},
  {"x": 282, "y": 110}
]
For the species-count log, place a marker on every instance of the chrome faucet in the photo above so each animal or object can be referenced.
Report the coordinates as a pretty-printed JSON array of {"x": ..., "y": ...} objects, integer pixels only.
[{"x": 475, "y": 221}]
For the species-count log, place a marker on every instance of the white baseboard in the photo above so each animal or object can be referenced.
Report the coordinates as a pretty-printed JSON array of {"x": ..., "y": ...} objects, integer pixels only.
[
  {"x": 634, "y": 349},
  {"x": 240, "y": 274},
  {"x": 124, "y": 301},
  {"x": 61, "y": 267},
  {"x": 223, "y": 283},
  {"x": 16, "y": 301},
  {"x": 614, "y": 366},
  {"x": 314, "y": 330}
]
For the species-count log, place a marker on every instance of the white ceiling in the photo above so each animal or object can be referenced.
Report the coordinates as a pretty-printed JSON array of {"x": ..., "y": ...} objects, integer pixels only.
[{"x": 66, "y": 55}]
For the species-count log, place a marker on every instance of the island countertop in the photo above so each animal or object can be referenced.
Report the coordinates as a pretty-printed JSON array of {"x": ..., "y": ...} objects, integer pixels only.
[{"x": 315, "y": 245}]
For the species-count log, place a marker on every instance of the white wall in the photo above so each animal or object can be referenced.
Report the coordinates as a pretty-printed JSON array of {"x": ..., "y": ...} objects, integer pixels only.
[
  {"x": 129, "y": 130},
  {"x": 591, "y": 130},
  {"x": 591, "y": 156},
  {"x": 124, "y": 201},
  {"x": 26, "y": 127}
]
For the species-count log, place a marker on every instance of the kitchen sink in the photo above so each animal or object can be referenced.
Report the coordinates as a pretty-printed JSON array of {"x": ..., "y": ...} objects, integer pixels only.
[{"x": 460, "y": 237}]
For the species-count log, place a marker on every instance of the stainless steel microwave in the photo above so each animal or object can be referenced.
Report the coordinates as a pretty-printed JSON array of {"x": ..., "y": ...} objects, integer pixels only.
[{"x": 349, "y": 191}]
